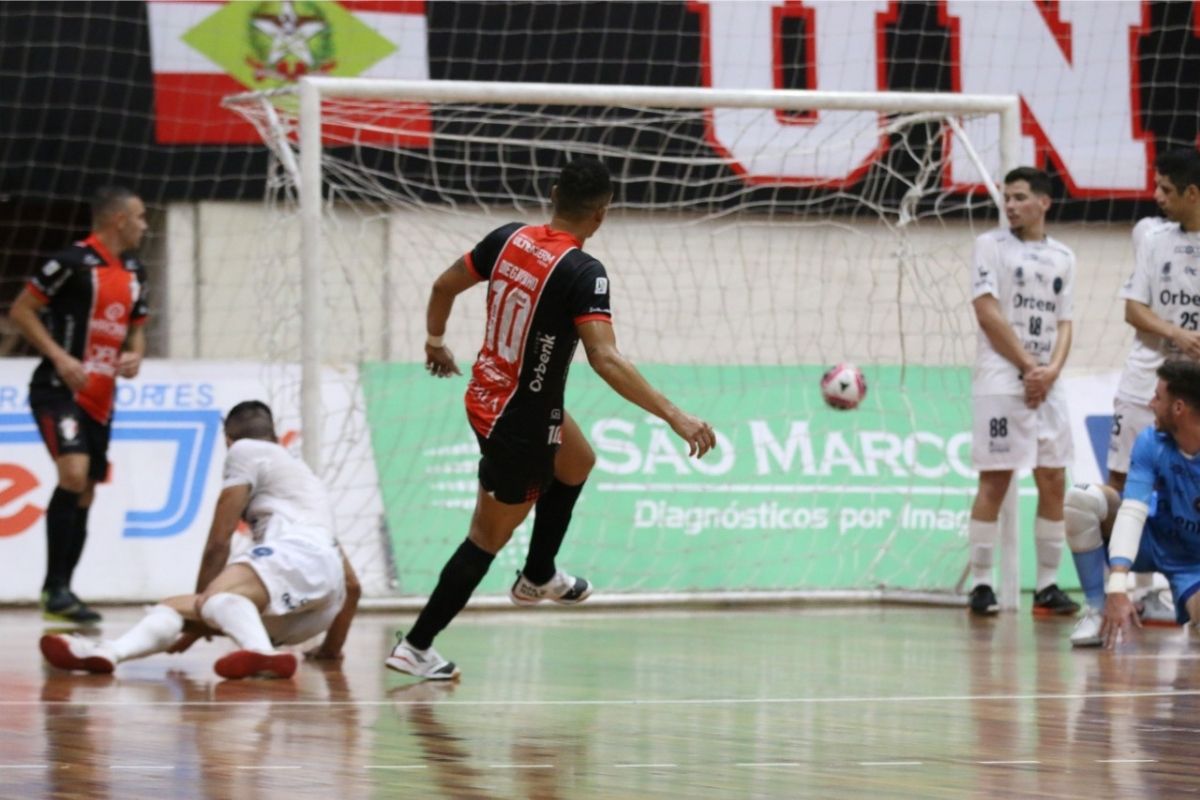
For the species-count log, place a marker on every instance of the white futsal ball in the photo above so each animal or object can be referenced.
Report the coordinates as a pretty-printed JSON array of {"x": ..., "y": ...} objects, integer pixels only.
[{"x": 843, "y": 386}]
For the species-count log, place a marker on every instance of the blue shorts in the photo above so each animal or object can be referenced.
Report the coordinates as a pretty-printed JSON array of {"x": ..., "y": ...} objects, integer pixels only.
[{"x": 1183, "y": 578}]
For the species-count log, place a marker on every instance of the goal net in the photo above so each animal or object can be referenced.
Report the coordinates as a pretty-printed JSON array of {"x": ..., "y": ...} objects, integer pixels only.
[{"x": 754, "y": 240}]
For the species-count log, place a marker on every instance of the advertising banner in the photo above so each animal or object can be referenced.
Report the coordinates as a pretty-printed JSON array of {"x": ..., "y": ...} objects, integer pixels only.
[
  {"x": 150, "y": 519},
  {"x": 796, "y": 495}
]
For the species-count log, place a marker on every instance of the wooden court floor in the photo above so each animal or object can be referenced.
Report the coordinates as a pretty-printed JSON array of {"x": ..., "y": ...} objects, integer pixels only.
[{"x": 830, "y": 702}]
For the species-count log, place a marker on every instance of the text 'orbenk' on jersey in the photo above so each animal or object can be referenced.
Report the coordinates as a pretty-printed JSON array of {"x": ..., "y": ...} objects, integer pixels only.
[
  {"x": 92, "y": 298},
  {"x": 540, "y": 286}
]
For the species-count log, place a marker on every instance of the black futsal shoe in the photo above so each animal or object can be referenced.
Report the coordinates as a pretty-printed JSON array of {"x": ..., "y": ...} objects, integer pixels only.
[{"x": 983, "y": 601}]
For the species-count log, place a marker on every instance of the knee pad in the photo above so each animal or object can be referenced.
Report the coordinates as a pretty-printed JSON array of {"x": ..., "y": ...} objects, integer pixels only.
[{"x": 1084, "y": 509}]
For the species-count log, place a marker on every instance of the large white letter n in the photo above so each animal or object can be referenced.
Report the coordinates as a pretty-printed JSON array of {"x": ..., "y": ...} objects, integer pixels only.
[{"x": 742, "y": 51}]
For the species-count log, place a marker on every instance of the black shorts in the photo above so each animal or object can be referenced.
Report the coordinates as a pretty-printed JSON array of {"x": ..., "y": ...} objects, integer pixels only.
[
  {"x": 514, "y": 472},
  {"x": 66, "y": 428}
]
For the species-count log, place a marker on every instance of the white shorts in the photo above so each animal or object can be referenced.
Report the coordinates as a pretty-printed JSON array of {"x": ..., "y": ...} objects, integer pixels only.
[
  {"x": 1129, "y": 419},
  {"x": 1006, "y": 435},
  {"x": 305, "y": 582}
]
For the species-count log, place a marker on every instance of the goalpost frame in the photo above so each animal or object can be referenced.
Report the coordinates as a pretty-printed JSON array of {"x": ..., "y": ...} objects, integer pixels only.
[{"x": 312, "y": 89}]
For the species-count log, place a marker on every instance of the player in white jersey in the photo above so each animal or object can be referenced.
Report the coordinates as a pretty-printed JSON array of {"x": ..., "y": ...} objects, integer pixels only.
[
  {"x": 1022, "y": 287},
  {"x": 292, "y": 584},
  {"x": 1162, "y": 303}
]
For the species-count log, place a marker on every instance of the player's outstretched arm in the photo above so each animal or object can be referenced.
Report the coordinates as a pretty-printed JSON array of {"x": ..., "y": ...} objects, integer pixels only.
[
  {"x": 230, "y": 505},
  {"x": 449, "y": 285},
  {"x": 339, "y": 629},
  {"x": 600, "y": 343},
  {"x": 26, "y": 316},
  {"x": 1143, "y": 319}
]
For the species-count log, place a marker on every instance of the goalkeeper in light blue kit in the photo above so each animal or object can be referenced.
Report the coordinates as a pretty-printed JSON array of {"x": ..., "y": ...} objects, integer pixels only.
[{"x": 1155, "y": 528}]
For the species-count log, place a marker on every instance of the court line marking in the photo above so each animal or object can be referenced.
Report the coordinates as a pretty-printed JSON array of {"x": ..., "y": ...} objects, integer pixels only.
[
  {"x": 891, "y": 763},
  {"x": 766, "y": 764},
  {"x": 520, "y": 766},
  {"x": 1126, "y": 760},
  {"x": 395, "y": 766},
  {"x": 25, "y": 766},
  {"x": 696, "y": 701}
]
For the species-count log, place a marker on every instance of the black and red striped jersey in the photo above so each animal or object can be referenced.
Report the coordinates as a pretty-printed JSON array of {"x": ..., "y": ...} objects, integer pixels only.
[
  {"x": 540, "y": 286},
  {"x": 92, "y": 299}
]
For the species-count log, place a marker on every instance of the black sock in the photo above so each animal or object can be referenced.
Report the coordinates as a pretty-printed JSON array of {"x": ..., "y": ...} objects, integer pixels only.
[
  {"x": 60, "y": 538},
  {"x": 458, "y": 580},
  {"x": 552, "y": 515},
  {"x": 79, "y": 532}
]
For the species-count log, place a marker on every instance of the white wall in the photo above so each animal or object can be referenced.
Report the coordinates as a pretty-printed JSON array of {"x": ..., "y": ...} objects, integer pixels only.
[{"x": 685, "y": 289}]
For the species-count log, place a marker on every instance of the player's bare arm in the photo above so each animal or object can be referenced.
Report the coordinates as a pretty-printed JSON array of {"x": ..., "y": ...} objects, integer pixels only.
[
  {"x": 1119, "y": 612},
  {"x": 1142, "y": 318},
  {"x": 600, "y": 343},
  {"x": 330, "y": 648},
  {"x": 130, "y": 361},
  {"x": 1000, "y": 334},
  {"x": 25, "y": 315},
  {"x": 1040, "y": 379},
  {"x": 230, "y": 505},
  {"x": 449, "y": 285}
]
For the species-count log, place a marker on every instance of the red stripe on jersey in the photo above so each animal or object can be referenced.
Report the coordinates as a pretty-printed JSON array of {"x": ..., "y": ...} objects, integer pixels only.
[
  {"x": 469, "y": 260},
  {"x": 594, "y": 318},
  {"x": 517, "y": 280},
  {"x": 36, "y": 292},
  {"x": 108, "y": 325}
]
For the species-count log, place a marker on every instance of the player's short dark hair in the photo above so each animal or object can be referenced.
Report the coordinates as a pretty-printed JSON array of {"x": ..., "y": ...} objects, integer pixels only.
[
  {"x": 250, "y": 419},
  {"x": 1183, "y": 380},
  {"x": 1181, "y": 167},
  {"x": 109, "y": 200},
  {"x": 583, "y": 186},
  {"x": 1038, "y": 180}
]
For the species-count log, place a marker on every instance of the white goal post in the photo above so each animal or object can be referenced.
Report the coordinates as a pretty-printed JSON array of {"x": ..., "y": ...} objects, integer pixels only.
[{"x": 300, "y": 150}]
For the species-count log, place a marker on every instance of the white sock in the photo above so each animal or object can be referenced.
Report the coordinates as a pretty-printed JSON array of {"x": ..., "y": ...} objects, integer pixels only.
[
  {"x": 983, "y": 536},
  {"x": 154, "y": 633},
  {"x": 237, "y": 617},
  {"x": 1048, "y": 538}
]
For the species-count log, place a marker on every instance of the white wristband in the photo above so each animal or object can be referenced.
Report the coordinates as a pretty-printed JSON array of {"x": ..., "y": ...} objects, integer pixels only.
[
  {"x": 435, "y": 341},
  {"x": 1118, "y": 583}
]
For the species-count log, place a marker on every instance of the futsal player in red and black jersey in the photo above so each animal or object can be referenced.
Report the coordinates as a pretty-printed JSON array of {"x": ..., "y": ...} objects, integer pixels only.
[
  {"x": 83, "y": 310},
  {"x": 544, "y": 296}
]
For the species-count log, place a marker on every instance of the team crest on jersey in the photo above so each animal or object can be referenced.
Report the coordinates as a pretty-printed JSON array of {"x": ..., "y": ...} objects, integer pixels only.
[
  {"x": 1058, "y": 284},
  {"x": 601, "y": 285},
  {"x": 261, "y": 552},
  {"x": 1019, "y": 276},
  {"x": 1187, "y": 249},
  {"x": 68, "y": 429},
  {"x": 1166, "y": 270},
  {"x": 114, "y": 312},
  {"x": 51, "y": 268}
]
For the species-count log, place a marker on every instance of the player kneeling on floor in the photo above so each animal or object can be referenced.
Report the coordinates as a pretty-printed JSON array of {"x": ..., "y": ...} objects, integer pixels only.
[
  {"x": 1155, "y": 528},
  {"x": 291, "y": 585}
]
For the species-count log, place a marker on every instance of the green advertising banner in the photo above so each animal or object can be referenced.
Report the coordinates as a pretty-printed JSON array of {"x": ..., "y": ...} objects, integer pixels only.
[{"x": 796, "y": 496}]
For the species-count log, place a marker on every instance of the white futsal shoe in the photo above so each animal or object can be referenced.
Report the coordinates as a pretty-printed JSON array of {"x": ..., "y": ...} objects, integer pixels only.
[
  {"x": 1087, "y": 629},
  {"x": 426, "y": 664},
  {"x": 563, "y": 589},
  {"x": 1157, "y": 609},
  {"x": 77, "y": 653}
]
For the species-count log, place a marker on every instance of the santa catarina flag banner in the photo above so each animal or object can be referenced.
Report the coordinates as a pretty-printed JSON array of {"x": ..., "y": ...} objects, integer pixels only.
[{"x": 202, "y": 52}]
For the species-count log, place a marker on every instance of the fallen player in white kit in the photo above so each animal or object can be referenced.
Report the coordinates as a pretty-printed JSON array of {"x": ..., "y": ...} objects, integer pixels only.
[{"x": 292, "y": 584}]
